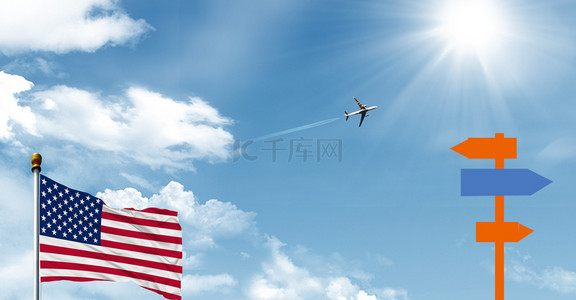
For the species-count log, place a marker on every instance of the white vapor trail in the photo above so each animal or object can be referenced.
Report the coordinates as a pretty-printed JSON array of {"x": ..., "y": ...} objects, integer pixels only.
[{"x": 295, "y": 129}]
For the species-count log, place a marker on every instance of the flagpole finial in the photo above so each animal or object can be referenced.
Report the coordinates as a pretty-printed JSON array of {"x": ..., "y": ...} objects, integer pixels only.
[{"x": 36, "y": 160}]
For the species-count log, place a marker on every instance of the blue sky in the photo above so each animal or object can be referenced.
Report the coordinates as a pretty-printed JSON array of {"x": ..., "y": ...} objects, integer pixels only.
[{"x": 161, "y": 103}]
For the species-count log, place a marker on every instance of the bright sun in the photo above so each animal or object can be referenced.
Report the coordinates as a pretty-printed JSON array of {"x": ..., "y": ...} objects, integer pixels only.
[{"x": 471, "y": 26}]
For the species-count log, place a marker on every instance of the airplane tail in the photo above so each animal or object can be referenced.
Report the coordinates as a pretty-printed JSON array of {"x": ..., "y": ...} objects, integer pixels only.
[{"x": 346, "y": 115}]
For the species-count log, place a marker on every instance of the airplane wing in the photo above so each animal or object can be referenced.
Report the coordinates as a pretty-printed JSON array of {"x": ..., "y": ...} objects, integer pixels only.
[
  {"x": 362, "y": 118},
  {"x": 359, "y": 104}
]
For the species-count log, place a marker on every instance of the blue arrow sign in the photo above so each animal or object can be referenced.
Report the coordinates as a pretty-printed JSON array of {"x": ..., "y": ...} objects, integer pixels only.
[{"x": 501, "y": 182}]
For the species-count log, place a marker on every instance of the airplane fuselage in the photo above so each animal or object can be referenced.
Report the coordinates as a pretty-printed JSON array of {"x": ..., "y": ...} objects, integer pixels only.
[{"x": 363, "y": 110}]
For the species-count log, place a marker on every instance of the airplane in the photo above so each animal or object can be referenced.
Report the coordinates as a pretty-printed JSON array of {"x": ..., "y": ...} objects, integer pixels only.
[{"x": 363, "y": 110}]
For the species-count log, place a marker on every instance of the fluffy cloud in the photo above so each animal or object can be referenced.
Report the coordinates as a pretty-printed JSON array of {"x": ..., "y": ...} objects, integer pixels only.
[
  {"x": 34, "y": 65},
  {"x": 559, "y": 150},
  {"x": 204, "y": 223},
  {"x": 195, "y": 284},
  {"x": 208, "y": 221},
  {"x": 554, "y": 278},
  {"x": 11, "y": 112},
  {"x": 145, "y": 126},
  {"x": 15, "y": 232},
  {"x": 559, "y": 279},
  {"x": 16, "y": 275},
  {"x": 62, "y": 26},
  {"x": 279, "y": 277},
  {"x": 342, "y": 289},
  {"x": 282, "y": 279},
  {"x": 150, "y": 128},
  {"x": 392, "y": 294}
]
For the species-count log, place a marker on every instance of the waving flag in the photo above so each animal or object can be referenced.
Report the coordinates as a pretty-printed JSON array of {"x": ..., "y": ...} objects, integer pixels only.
[{"x": 83, "y": 239}]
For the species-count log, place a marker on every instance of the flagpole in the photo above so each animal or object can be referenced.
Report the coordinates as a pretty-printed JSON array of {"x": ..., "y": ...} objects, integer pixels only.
[{"x": 36, "y": 160}]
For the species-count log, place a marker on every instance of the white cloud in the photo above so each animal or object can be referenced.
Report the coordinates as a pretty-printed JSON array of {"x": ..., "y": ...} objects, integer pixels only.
[
  {"x": 126, "y": 198},
  {"x": 559, "y": 279},
  {"x": 152, "y": 129},
  {"x": 15, "y": 232},
  {"x": 392, "y": 294},
  {"x": 145, "y": 126},
  {"x": 138, "y": 180},
  {"x": 282, "y": 279},
  {"x": 342, "y": 289},
  {"x": 560, "y": 149},
  {"x": 195, "y": 284},
  {"x": 11, "y": 112},
  {"x": 62, "y": 26},
  {"x": 16, "y": 275},
  {"x": 148, "y": 127},
  {"x": 207, "y": 221},
  {"x": 279, "y": 277},
  {"x": 34, "y": 65},
  {"x": 554, "y": 278}
]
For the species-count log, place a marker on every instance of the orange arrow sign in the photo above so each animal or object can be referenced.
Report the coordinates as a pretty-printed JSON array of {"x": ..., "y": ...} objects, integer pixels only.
[
  {"x": 497, "y": 147},
  {"x": 508, "y": 232}
]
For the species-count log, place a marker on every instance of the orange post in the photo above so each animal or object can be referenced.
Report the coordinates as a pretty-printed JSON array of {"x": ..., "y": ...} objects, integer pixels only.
[
  {"x": 499, "y": 220},
  {"x": 499, "y": 271}
]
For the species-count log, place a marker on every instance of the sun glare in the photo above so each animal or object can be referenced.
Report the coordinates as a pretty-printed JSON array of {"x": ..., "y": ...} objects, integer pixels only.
[{"x": 471, "y": 26}]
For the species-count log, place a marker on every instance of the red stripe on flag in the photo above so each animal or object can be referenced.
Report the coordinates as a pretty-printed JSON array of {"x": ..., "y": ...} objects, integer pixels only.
[
  {"x": 109, "y": 257},
  {"x": 140, "y": 221},
  {"x": 141, "y": 249},
  {"x": 69, "y": 278},
  {"x": 106, "y": 270},
  {"x": 166, "y": 295},
  {"x": 142, "y": 235}
]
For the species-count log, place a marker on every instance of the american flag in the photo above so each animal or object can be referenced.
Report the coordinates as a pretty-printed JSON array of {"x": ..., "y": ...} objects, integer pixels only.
[{"x": 83, "y": 239}]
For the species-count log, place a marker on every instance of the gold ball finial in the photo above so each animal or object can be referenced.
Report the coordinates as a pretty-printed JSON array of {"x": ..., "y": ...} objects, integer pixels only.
[{"x": 36, "y": 160}]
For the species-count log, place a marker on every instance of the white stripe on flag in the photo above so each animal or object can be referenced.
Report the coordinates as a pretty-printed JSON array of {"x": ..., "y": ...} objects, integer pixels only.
[{"x": 110, "y": 251}]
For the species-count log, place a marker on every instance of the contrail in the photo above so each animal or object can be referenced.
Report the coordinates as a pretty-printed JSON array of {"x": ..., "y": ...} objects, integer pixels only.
[{"x": 295, "y": 129}]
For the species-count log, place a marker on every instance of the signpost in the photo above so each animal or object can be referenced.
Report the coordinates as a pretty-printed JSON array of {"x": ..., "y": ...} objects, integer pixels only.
[
  {"x": 508, "y": 232},
  {"x": 503, "y": 182},
  {"x": 498, "y": 182}
]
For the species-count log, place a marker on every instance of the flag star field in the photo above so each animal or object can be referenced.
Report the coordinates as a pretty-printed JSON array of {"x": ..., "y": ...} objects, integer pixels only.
[{"x": 69, "y": 214}]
